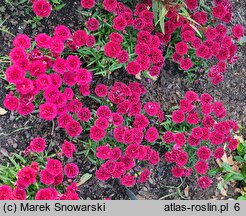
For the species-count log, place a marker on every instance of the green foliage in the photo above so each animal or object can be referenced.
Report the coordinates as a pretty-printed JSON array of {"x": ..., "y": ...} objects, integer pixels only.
[
  {"x": 95, "y": 57},
  {"x": 8, "y": 171},
  {"x": 231, "y": 175}
]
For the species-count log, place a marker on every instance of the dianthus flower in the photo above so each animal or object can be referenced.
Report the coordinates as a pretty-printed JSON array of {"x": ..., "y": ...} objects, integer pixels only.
[
  {"x": 42, "y": 8},
  {"x": 71, "y": 170},
  {"x": 38, "y": 144}
]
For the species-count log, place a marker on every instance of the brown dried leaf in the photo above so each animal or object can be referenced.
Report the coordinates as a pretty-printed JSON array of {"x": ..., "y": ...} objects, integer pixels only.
[
  {"x": 229, "y": 160},
  {"x": 84, "y": 179},
  {"x": 240, "y": 138},
  {"x": 219, "y": 162},
  {"x": 186, "y": 191}
]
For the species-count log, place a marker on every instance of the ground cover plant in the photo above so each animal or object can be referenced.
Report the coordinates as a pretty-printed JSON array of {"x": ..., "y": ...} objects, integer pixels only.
[{"x": 57, "y": 76}]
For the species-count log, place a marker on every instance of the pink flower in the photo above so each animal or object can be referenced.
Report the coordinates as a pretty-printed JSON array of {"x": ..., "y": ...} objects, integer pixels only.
[
  {"x": 144, "y": 175},
  {"x": 102, "y": 123},
  {"x": 54, "y": 167},
  {"x": 68, "y": 149},
  {"x": 119, "y": 23},
  {"x": 181, "y": 48},
  {"x": 11, "y": 102},
  {"x": 204, "y": 182},
  {"x": 104, "y": 112},
  {"x": 168, "y": 137},
  {"x": 233, "y": 144},
  {"x": 46, "y": 177},
  {"x": 97, "y": 133},
  {"x": 112, "y": 49},
  {"x": 193, "y": 118},
  {"x": 115, "y": 37},
  {"x": 140, "y": 121},
  {"x": 178, "y": 116},
  {"x": 80, "y": 37},
  {"x": 101, "y": 90},
  {"x": 71, "y": 170},
  {"x": 179, "y": 139},
  {"x": 110, "y": 5},
  {"x": 237, "y": 31},
  {"x": 92, "y": 24},
  {"x": 122, "y": 56},
  {"x": 117, "y": 119},
  {"x": 47, "y": 194},
  {"x": 186, "y": 64},
  {"x": 48, "y": 111},
  {"x": 84, "y": 114},
  {"x": 38, "y": 144},
  {"x": 26, "y": 176},
  {"x": 115, "y": 154},
  {"x": 18, "y": 194},
  {"x": 62, "y": 32},
  {"x": 152, "y": 108},
  {"x": 15, "y": 74},
  {"x": 120, "y": 170},
  {"x": 154, "y": 158},
  {"x": 42, "y": 8},
  {"x": 103, "y": 152},
  {"x": 73, "y": 128},
  {"x": 203, "y": 153},
  {"x": 201, "y": 167},
  {"x": 5, "y": 192},
  {"x": 177, "y": 172},
  {"x": 151, "y": 134},
  {"x": 219, "y": 152},
  {"x": 23, "y": 41},
  {"x": 109, "y": 166},
  {"x": 128, "y": 180},
  {"x": 102, "y": 174},
  {"x": 191, "y": 4},
  {"x": 182, "y": 158},
  {"x": 87, "y": 4}
]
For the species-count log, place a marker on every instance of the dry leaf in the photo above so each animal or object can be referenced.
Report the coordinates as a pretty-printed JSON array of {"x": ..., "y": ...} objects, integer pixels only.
[
  {"x": 154, "y": 78},
  {"x": 229, "y": 160},
  {"x": 84, "y": 179},
  {"x": 235, "y": 168},
  {"x": 2, "y": 111},
  {"x": 219, "y": 162},
  {"x": 240, "y": 138},
  {"x": 138, "y": 76},
  {"x": 186, "y": 191},
  {"x": 222, "y": 187}
]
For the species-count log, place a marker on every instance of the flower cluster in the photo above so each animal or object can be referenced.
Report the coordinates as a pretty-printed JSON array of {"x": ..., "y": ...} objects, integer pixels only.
[
  {"x": 41, "y": 75},
  {"x": 131, "y": 126},
  {"x": 208, "y": 136},
  {"x": 197, "y": 38},
  {"x": 47, "y": 178},
  {"x": 146, "y": 54},
  {"x": 149, "y": 55}
]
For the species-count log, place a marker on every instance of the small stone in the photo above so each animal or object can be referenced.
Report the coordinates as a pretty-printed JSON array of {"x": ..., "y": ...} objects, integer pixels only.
[{"x": 4, "y": 152}]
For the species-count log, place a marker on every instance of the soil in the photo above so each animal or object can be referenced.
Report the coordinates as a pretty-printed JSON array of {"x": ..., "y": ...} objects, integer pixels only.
[{"x": 15, "y": 131}]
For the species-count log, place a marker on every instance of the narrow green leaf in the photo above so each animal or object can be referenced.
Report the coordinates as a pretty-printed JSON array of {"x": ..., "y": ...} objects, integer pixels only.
[
  {"x": 237, "y": 177},
  {"x": 244, "y": 170},
  {"x": 228, "y": 177},
  {"x": 239, "y": 159},
  {"x": 59, "y": 7},
  {"x": 227, "y": 167}
]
